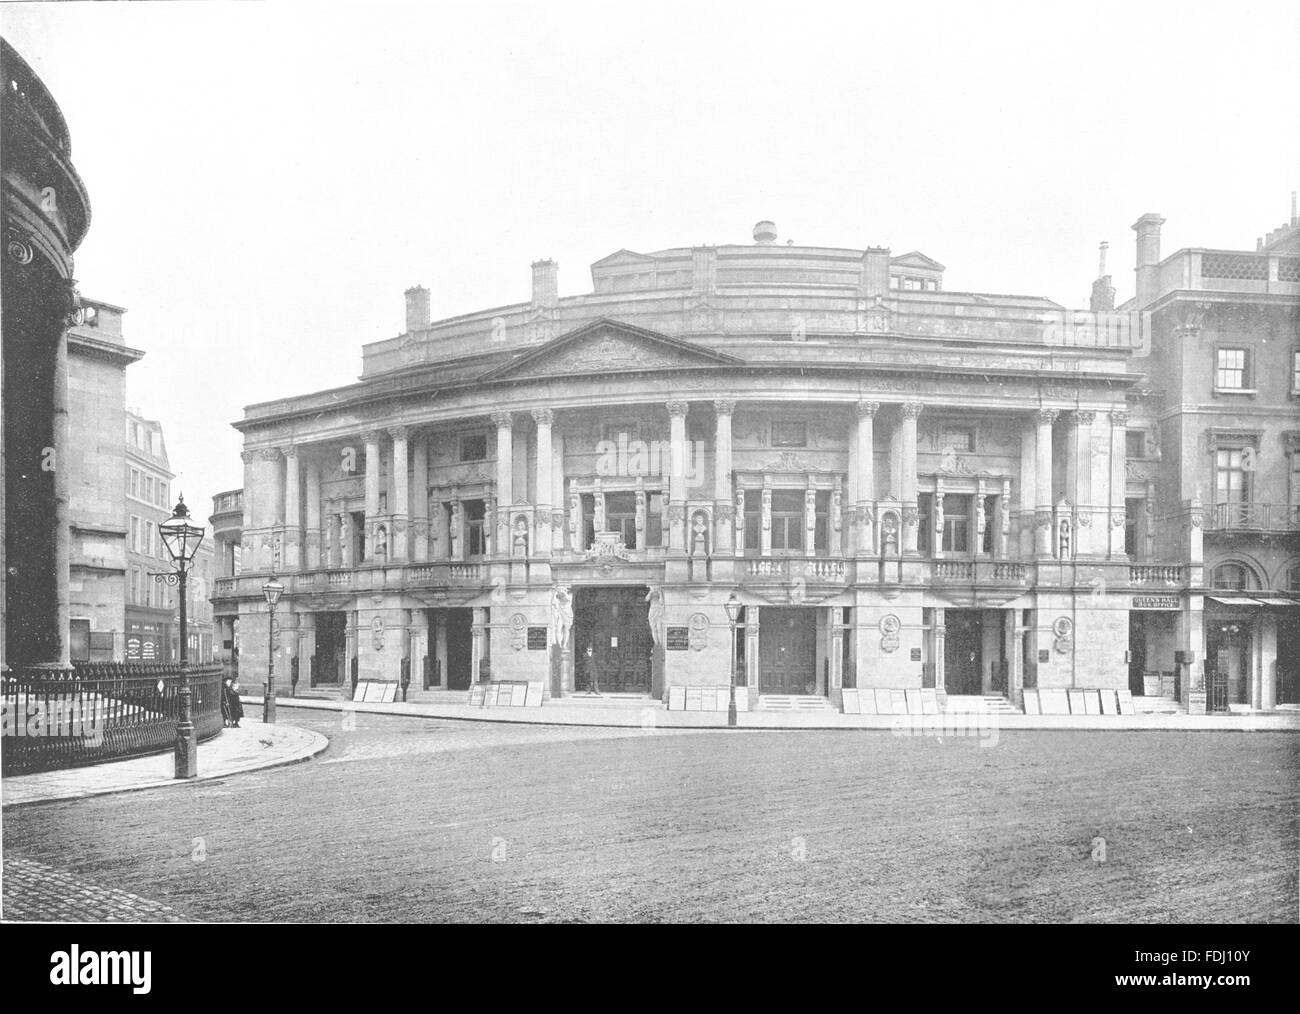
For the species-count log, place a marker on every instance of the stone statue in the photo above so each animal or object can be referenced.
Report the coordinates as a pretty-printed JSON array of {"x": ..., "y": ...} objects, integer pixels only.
[
  {"x": 656, "y": 616},
  {"x": 561, "y": 614}
]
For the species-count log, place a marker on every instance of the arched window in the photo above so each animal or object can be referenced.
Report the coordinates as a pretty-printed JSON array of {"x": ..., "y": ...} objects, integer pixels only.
[
  {"x": 1231, "y": 577},
  {"x": 1293, "y": 579}
]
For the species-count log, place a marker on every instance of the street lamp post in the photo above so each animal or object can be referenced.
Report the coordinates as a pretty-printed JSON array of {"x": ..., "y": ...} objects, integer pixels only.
[
  {"x": 182, "y": 540},
  {"x": 272, "y": 590},
  {"x": 733, "y": 614}
]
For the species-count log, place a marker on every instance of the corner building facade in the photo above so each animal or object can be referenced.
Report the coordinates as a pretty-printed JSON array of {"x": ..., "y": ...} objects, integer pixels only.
[{"x": 902, "y": 486}]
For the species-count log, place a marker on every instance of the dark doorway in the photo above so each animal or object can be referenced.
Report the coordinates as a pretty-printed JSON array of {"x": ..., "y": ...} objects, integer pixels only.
[
  {"x": 1228, "y": 643},
  {"x": 962, "y": 651},
  {"x": 331, "y": 648},
  {"x": 1288, "y": 656},
  {"x": 460, "y": 648},
  {"x": 787, "y": 651},
  {"x": 1137, "y": 652},
  {"x": 611, "y": 637}
]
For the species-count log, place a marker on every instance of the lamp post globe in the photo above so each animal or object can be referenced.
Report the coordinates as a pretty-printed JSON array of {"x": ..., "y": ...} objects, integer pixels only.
[
  {"x": 732, "y": 606},
  {"x": 271, "y": 591}
]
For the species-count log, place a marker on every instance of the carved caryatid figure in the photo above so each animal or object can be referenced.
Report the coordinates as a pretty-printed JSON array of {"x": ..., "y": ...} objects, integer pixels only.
[
  {"x": 656, "y": 614},
  {"x": 561, "y": 614},
  {"x": 837, "y": 508},
  {"x": 740, "y": 510}
]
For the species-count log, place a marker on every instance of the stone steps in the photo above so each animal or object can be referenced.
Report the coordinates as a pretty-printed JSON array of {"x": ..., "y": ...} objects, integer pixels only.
[{"x": 793, "y": 702}]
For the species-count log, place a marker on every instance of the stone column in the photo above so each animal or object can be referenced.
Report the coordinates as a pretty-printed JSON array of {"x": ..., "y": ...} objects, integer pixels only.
[
  {"x": 1118, "y": 480},
  {"x": 677, "y": 479},
  {"x": 478, "y": 630},
  {"x": 765, "y": 522},
  {"x": 724, "y": 527},
  {"x": 505, "y": 496},
  {"x": 541, "y": 543},
  {"x": 558, "y": 500},
  {"x": 314, "y": 540},
  {"x": 940, "y": 636},
  {"x": 440, "y": 648},
  {"x": 1043, "y": 418},
  {"x": 270, "y": 508},
  {"x": 866, "y": 477},
  {"x": 372, "y": 439},
  {"x": 1081, "y": 460},
  {"x": 292, "y": 509},
  {"x": 248, "y": 530},
  {"x": 907, "y": 480},
  {"x": 400, "y": 508},
  {"x": 420, "y": 498}
]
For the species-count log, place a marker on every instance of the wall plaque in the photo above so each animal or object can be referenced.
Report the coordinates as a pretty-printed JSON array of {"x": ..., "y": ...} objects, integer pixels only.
[
  {"x": 536, "y": 638},
  {"x": 1155, "y": 602},
  {"x": 916, "y": 654},
  {"x": 677, "y": 638}
]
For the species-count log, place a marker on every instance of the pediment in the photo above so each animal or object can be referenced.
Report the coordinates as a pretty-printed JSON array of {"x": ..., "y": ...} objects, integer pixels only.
[
  {"x": 607, "y": 346},
  {"x": 624, "y": 256},
  {"x": 915, "y": 259}
]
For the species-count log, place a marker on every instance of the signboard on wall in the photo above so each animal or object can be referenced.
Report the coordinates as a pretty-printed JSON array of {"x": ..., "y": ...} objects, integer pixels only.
[
  {"x": 1155, "y": 602},
  {"x": 677, "y": 638},
  {"x": 536, "y": 638}
]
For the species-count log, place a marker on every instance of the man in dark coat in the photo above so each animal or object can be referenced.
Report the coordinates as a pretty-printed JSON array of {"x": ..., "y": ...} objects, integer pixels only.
[{"x": 232, "y": 708}]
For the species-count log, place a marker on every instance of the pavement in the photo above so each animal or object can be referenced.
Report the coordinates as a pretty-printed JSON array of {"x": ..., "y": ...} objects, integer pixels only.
[
  {"x": 251, "y": 747},
  {"x": 625, "y": 713}
]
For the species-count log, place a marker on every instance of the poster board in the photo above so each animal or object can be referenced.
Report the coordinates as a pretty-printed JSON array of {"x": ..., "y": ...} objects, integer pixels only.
[
  {"x": 1076, "y": 702},
  {"x": 1031, "y": 702},
  {"x": 676, "y": 698},
  {"x": 1053, "y": 701},
  {"x": 1124, "y": 701},
  {"x": 929, "y": 701},
  {"x": 850, "y": 702}
]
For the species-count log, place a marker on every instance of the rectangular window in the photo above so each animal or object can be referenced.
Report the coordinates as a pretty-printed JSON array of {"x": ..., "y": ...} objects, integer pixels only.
[
  {"x": 148, "y": 488},
  {"x": 654, "y": 519},
  {"x": 753, "y": 522},
  {"x": 1135, "y": 444},
  {"x": 473, "y": 447},
  {"x": 150, "y": 544},
  {"x": 1232, "y": 369},
  {"x": 135, "y": 534},
  {"x": 1230, "y": 474},
  {"x": 1132, "y": 521},
  {"x": 821, "y": 529},
  {"x": 925, "y": 514},
  {"x": 991, "y": 523},
  {"x": 1295, "y": 371},
  {"x": 789, "y": 434},
  {"x": 475, "y": 535},
  {"x": 788, "y": 523},
  {"x": 956, "y": 524},
  {"x": 620, "y": 516}
]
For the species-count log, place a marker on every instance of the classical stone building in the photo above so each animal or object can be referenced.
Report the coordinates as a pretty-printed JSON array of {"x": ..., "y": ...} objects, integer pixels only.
[
  {"x": 1218, "y": 424},
  {"x": 903, "y": 486},
  {"x": 46, "y": 215},
  {"x": 97, "y": 360}
]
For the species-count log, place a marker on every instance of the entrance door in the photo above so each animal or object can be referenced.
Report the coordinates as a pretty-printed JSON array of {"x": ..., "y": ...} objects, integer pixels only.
[
  {"x": 962, "y": 651},
  {"x": 787, "y": 651},
  {"x": 1229, "y": 655},
  {"x": 1288, "y": 657},
  {"x": 460, "y": 648},
  {"x": 331, "y": 646},
  {"x": 611, "y": 636},
  {"x": 1137, "y": 652}
]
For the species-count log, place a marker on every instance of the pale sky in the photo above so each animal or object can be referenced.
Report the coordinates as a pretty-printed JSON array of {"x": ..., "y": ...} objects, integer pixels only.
[{"x": 267, "y": 178}]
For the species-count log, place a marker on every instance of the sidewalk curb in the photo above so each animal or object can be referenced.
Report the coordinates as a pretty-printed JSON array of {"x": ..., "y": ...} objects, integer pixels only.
[
  {"x": 877, "y": 723},
  {"x": 316, "y": 745}
]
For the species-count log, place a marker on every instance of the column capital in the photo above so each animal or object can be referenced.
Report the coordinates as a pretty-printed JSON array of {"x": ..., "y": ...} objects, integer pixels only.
[
  {"x": 911, "y": 409},
  {"x": 1118, "y": 417},
  {"x": 503, "y": 420},
  {"x": 268, "y": 453},
  {"x": 543, "y": 416},
  {"x": 372, "y": 436},
  {"x": 676, "y": 407},
  {"x": 248, "y": 456},
  {"x": 1045, "y": 416},
  {"x": 1083, "y": 417},
  {"x": 289, "y": 451},
  {"x": 399, "y": 432},
  {"x": 867, "y": 409},
  {"x": 724, "y": 406}
]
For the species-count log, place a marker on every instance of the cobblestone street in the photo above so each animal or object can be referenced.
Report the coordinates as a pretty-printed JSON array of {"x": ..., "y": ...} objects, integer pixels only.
[{"x": 404, "y": 819}]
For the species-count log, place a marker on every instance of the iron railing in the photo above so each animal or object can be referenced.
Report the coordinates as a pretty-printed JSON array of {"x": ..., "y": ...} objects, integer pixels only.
[
  {"x": 101, "y": 711},
  {"x": 1254, "y": 517}
]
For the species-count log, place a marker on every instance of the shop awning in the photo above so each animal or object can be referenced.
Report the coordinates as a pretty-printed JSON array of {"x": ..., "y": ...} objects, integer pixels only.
[
  {"x": 1224, "y": 601},
  {"x": 1279, "y": 602}
]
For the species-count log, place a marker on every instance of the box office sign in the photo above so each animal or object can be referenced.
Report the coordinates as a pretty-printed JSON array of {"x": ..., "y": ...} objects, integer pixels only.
[{"x": 1155, "y": 602}]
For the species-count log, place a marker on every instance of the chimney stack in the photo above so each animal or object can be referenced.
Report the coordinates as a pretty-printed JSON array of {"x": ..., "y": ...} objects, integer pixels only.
[
  {"x": 1148, "y": 256},
  {"x": 546, "y": 283},
  {"x": 1103, "y": 293},
  {"x": 417, "y": 309},
  {"x": 875, "y": 272}
]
